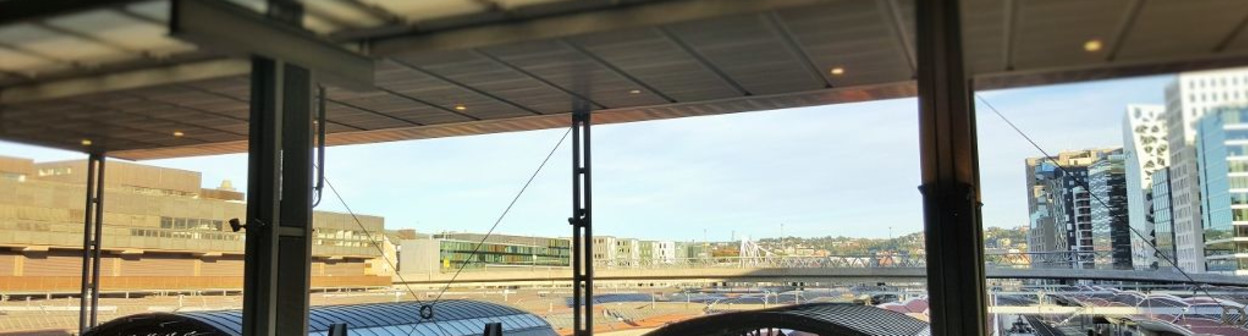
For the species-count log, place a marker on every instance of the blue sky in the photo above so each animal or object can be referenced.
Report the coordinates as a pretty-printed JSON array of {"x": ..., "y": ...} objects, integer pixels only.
[{"x": 849, "y": 169}]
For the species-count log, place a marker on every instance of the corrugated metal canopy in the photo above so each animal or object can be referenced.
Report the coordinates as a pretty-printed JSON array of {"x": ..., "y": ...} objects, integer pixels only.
[
  {"x": 842, "y": 319},
  {"x": 460, "y": 67},
  {"x": 451, "y": 318}
]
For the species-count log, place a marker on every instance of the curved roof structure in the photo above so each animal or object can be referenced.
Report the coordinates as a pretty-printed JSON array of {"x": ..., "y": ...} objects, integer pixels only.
[
  {"x": 451, "y": 317},
  {"x": 828, "y": 319}
]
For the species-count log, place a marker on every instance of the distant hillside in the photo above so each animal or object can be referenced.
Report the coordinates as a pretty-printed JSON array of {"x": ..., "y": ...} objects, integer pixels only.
[{"x": 1002, "y": 238}]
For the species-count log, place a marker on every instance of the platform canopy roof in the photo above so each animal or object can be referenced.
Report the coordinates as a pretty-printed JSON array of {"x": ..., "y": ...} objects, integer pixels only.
[{"x": 107, "y": 71}]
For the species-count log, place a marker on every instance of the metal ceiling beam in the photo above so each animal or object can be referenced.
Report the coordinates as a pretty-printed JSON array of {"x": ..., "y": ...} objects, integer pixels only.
[
  {"x": 218, "y": 94},
  {"x": 549, "y": 84},
  {"x": 36, "y": 54},
  {"x": 12, "y": 11},
  {"x": 329, "y": 17},
  {"x": 776, "y": 24},
  {"x": 705, "y": 63},
  {"x": 426, "y": 103},
  {"x": 90, "y": 38},
  {"x": 100, "y": 140},
  {"x": 370, "y": 111},
  {"x": 1009, "y": 33},
  {"x": 647, "y": 14},
  {"x": 601, "y": 62},
  {"x": 1124, "y": 29},
  {"x": 131, "y": 14},
  {"x": 373, "y": 10},
  {"x": 1232, "y": 35},
  {"x": 453, "y": 82},
  {"x": 236, "y": 30},
  {"x": 156, "y": 118},
  {"x": 174, "y": 74},
  {"x": 1102, "y": 71},
  {"x": 895, "y": 21}
]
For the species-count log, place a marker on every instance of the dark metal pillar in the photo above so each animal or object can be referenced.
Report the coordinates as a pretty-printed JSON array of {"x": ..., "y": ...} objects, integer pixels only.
[
  {"x": 98, "y": 232},
  {"x": 951, "y": 204},
  {"x": 582, "y": 223},
  {"x": 279, "y": 214},
  {"x": 92, "y": 228},
  {"x": 279, "y": 208}
]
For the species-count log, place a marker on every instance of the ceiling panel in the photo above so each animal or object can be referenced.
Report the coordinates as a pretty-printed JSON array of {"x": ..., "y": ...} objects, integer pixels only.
[
  {"x": 416, "y": 10},
  {"x": 749, "y": 51},
  {"x": 340, "y": 10},
  {"x": 1053, "y": 32},
  {"x": 398, "y": 107},
  {"x": 157, "y": 10},
  {"x": 1164, "y": 28},
  {"x": 118, "y": 29},
  {"x": 487, "y": 74},
  {"x": 361, "y": 118},
  {"x": 407, "y": 80},
  {"x": 652, "y": 56},
  {"x": 568, "y": 65},
  {"x": 983, "y": 32},
  {"x": 856, "y": 36},
  {"x": 16, "y": 61},
  {"x": 34, "y": 39}
]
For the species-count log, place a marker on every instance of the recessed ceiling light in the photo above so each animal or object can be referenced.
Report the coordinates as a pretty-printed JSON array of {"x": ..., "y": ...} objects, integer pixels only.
[
  {"x": 86, "y": 142},
  {"x": 1092, "y": 45},
  {"x": 634, "y": 91},
  {"x": 178, "y": 133},
  {"x": 460, "y": 107},
  {"x": 838, "y": 71}
]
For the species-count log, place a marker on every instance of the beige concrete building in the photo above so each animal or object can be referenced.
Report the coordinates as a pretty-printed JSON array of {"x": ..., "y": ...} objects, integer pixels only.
[{"x": 161, "y": 231}]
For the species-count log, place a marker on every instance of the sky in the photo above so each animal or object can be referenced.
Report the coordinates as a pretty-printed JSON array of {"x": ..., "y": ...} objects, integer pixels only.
[{"x": 836, "y": 170}]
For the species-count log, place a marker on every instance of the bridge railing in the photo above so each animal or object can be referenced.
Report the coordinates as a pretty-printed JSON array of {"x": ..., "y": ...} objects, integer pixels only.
[{"x": 1014, "y": 260}]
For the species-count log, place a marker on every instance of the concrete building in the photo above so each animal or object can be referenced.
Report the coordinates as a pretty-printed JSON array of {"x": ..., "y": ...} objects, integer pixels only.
[
  {"x": 1188, "y": 98},
  {"x": 1222, "y": 168},
  {"x": 1163, "y": 222},
  {"x": 161, "y": 230},
  {"x": 604, "y": 248},
  {"x": 658, "y": 252},
  {"x": 1146, "y": 151},
  {"x": 627, "y": 251},
  {"x": 1111, "y": 231},
  {"x": 1060, "y": 204},
  {"x": 450, "y": 251}
]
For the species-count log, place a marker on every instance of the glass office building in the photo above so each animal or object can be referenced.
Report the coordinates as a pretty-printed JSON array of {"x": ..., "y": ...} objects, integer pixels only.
[
  {"x": 456, "y": 249},
  {"x": 1163, "y": 222},
  {"x": 1222, "y": 161},
  {"x": 1111, "y": 233}
]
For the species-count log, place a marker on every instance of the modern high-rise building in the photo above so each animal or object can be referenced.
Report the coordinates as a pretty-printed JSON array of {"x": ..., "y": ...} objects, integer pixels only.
[
  {"x": 1047, "y": 229},
  {"x": 1188, "y": 98},
  {"x": 1222, "y": 162},
  {"x": 1145, "y": 151},
  {"x": 1061, "y": 205},
  {"x": 1163, "y": 222},
  {"x": 1111, "y": 232}
]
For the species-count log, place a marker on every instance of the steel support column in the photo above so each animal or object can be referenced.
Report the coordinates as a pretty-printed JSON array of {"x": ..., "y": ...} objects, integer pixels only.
[
  {"x": 582, "y": 223},
  {"x": 951, "y": 204},
  {"x": 92, "y": 230},
  {"x": 279, "y": 207}
]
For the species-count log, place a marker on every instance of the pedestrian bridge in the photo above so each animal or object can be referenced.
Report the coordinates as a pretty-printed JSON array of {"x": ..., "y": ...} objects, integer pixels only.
[{"x": 908, "y": 268}]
